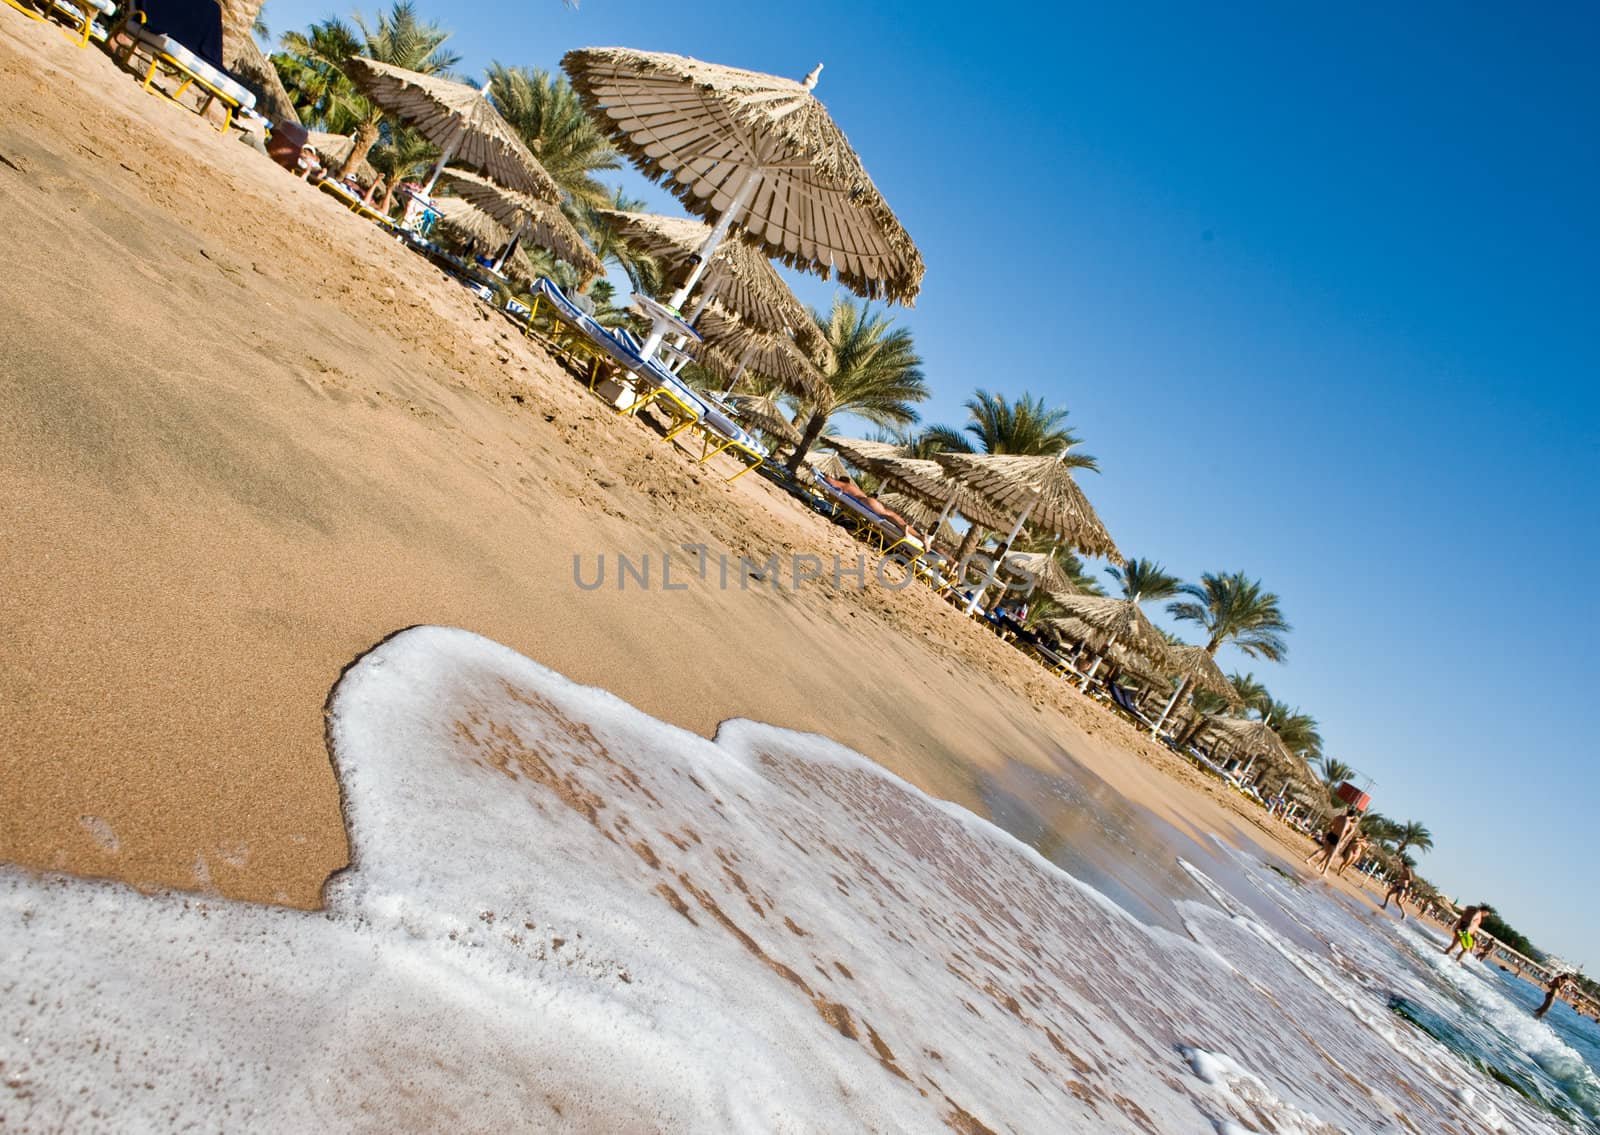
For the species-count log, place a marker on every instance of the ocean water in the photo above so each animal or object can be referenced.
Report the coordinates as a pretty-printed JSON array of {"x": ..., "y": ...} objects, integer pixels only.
[{"x": 565, "y": 915}]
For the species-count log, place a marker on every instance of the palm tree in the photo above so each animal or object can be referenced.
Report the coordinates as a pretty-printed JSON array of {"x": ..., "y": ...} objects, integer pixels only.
[
  {"x": 1144, "y": 579},
  {"x": 1296, "y": 729},
  {"x": 312, "y": 66},
  {"x": 1024, "y": 427},
  {"x": 1412, "y": 834},
  {"x": 544, "y": 110},
  {"x": 1333, "y": 772},
  {"x": 876, "y": 373},
  {"x": 1233, "y": 610}
]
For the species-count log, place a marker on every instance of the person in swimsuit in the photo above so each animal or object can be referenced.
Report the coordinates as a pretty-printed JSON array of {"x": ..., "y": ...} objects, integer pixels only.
[
  {"x": 1558, "y": 986},
  {"x": 850, "y": 489},
  {"x": 1465, "y": 931},
  {"x": 1353, "y": 852},
  {"x": 1341, "y": 831},
  {"x": 1399, "y": 888}
]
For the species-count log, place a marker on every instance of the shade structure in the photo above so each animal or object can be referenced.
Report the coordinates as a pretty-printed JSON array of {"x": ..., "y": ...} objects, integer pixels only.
[
  {"x": 1042, "y": 569},
  {"x": 1040, "y": 490},
  {"x": 1194, "y": 663},
  {"x": 1120, "y": 621},
  {"x": 540, "y": 223},
  {"x": 827, "y": 464},
  {"x": 928, "y": 480},
  {"x": 739, "y": 274},
  {"x": 466, "y": 222},
  {"x": 761, "y": 413},
  {"x": 863, "y": 452},
  {"x": 1193, "y": 666},
  {"x": 460, "y": 120},
  {"x": 731, "y": 347},
  {"x": 759, "y": 150},
  {"x": 1257, "y": 739}
]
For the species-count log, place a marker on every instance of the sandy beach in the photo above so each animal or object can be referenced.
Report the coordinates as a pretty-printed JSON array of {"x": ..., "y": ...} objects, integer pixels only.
[{"x": 245, "y": 438}]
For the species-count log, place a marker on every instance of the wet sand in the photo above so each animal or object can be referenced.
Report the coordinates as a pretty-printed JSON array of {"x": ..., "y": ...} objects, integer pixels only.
[{"x": 244, "y": 437}]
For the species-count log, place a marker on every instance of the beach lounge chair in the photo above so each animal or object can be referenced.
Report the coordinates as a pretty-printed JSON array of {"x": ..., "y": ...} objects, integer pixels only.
[
  {"x": 79, "y": 13},
  {"x": 183, "y": 39}
]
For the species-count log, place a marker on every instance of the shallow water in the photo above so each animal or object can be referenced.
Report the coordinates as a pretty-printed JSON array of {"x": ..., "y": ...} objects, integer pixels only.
[{"x": 565, "y": 915}]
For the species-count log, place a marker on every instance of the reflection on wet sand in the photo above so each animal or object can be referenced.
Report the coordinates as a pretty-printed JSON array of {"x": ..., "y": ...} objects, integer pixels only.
[{"x": 1124, "y": 850}]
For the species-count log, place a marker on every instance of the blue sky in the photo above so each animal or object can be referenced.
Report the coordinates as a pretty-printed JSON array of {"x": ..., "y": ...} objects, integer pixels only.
[{"x": 1319, "y": 288}]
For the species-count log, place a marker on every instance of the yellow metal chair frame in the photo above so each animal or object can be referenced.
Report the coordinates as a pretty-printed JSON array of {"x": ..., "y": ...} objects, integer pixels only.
[{"x": 160, "y": 59}]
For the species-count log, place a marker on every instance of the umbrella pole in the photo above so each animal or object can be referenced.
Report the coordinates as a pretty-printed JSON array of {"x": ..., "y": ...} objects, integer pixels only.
[
  {"x": 446, "y": 156},
  {"x": 994, "y": 564},
  {"x": 1098, "y": 658},
  {"x": 1155, "y": 729},
  {"x": 505, "y": 255},
  {"x": 738, "y": 374},
  {"x": 741, "y": 198}
]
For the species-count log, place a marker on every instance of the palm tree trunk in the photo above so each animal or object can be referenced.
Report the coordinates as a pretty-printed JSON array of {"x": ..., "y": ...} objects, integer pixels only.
[
  {"x": 969, "y": 545},
  {"x": 808, "y": 438},
  {"x": 366, "y": 138}
]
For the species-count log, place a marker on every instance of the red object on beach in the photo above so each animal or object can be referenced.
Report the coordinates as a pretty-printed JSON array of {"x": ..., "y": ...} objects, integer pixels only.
[{"x": 1353, "y": 797}]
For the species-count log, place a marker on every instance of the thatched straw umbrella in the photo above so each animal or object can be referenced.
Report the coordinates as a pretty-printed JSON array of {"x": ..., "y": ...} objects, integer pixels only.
[
  {"x": 468, "y": 223},
  {"x": 827, "y": 464},
  {"x": 740, "y": 146},
  {"x": 539, "y": 222},
  {"x": 739, "y": 276},
  {"x": 731, "y": 346},
  {"x": 1193, "y": 666},
  {"x": 1258, "y": 739},
  {"x": 460, "y": 120},
  {"x": 760, "y": 412},
  {"x": 1120, "y": 621},
  {"x": 1036, "y": 490},
  {"x": 1042, "y": 571}
]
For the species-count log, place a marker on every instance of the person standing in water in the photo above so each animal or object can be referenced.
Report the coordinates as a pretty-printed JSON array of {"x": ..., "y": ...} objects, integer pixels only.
[
  {"x": 1466, "y": 930},
  {"x": 1399, "y": 888},
  {"x": 1340, "y": 832},
  {"x": 1558, "y": 986}
]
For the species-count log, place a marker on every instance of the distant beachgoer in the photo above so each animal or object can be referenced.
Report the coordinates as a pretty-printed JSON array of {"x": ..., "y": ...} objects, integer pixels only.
[
  {"x": 1558, "y": 986},
  {"x": 1399, "y": 889},
  {"x": 1342, "y": 830},
  {"x": 1464, "y": 932}
]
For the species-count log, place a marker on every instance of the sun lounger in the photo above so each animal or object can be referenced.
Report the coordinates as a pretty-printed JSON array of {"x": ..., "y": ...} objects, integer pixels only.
[
  {"x": 354, "y": 203},
  {"x": 80, "y": 13},
  {"x": 164, "y": 42}
]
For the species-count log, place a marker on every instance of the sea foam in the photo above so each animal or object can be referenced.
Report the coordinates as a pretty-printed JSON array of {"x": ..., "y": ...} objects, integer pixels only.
[{"x": 563, "y": 914}]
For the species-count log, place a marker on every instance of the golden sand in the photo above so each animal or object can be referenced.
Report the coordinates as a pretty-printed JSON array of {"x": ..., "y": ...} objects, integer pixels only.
[{"x": 244, "y": 437}]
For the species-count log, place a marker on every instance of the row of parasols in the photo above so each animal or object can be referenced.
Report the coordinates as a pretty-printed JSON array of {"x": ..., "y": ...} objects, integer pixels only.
[
  {"x": 761, "y": 161},
  {"x": 1002, "y": 492}
]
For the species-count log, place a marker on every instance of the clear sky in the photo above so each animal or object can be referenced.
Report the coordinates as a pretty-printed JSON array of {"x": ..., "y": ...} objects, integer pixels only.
[{"x": 1319, "y": 287}]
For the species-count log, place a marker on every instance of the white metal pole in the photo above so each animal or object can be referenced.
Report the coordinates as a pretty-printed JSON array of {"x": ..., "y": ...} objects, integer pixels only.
[
  {"x": 741, "y": 198},
  {"x": 1172, "y": 701},
  {"x": 522, "y": 228}
]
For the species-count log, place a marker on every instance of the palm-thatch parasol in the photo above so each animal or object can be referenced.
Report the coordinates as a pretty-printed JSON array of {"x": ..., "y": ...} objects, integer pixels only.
[
  {"x": 1258, "y": 739},
  {"x": 928, "y": 480},
  {"x": 1193, "y": 666},
  {"x": 542, "y": 223},
  {"x": 827, "y": 464},
  {"x": 468, "y": 223},
  {"x": 730, "y": 346},
  {"x": 760, "y": 412},
  {"x": 1038, "y": 490},
  {"x": 739, "y": 275},
  {"x": 756, "y": 149},
  {"x": 1040, "y": 569},
  {"x": 863, "y": 451},
  {"x": 1120, "y": 621},
  {"x": 460, "y": 120}
]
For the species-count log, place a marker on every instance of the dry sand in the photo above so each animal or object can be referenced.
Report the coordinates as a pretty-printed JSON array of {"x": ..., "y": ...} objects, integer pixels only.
[{"x": 244, "y": 437}]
